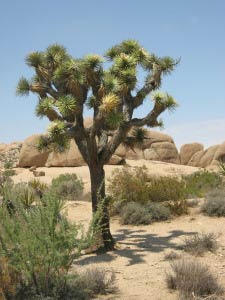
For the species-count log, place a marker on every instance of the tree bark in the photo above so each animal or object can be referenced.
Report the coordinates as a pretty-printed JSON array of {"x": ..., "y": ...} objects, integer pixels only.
[{"x": 103, "y": 235}]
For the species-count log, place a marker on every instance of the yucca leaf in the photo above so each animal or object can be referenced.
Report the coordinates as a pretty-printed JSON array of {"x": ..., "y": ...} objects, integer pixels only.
[
  {"x": 44, "y": 107},
  {"x": 23, "y": 87},
  {"x": 66, "y": 105},
  {"x": 35, "y": 59},
  {"x": 109, "y": 103}
]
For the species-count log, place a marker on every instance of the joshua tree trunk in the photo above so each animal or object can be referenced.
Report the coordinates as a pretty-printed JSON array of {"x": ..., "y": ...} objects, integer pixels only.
[{"x": 99, "y": 202}]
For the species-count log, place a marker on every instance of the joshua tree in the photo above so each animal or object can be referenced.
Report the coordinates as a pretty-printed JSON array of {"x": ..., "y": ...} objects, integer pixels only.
[{"x": 64, "y": 85}]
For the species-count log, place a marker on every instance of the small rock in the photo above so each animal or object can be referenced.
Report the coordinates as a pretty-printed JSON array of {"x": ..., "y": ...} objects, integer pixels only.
[{"x": 38, "y": 173}]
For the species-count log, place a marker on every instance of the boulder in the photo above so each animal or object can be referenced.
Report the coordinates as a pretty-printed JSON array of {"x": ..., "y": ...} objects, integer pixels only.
[
  {"x": 188, "y": 150},
  {"x": 162, "y": 151},
  {"x": 208, "y": 156},
  {"x": 29, "y": 155},
  {"x": 219, "y": 154},
  {"x": 69, "y": 158},
  {"x": 134, "y": 154},
  {"x": 196, "y": 158},
  {"x": 155, "y": 137}
]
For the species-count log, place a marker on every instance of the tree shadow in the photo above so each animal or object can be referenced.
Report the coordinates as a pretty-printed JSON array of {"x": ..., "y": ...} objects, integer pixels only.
[{"x": 135, "y": 244}]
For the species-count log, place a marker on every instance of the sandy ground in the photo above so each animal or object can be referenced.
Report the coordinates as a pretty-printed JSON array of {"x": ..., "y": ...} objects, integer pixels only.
[{"x": 139, "y": 262}]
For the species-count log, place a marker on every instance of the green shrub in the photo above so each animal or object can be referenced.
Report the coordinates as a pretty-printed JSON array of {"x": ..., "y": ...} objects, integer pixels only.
[
  {"x": 198, "y": 244},
  {"x": 40, "y": 244},
  {"x": 135, "y": 214},
  {"x": 214, "y": 204},
  {"x": 166, "y": 188},
  {"x": 127, "y": 185},
  {"x": 201, "y": 182},
  {"x": 20, "y": 193},
  {"x": 39, "y": 186},
  {"x": 68, "y": 186},
  {"x": 192, "y": 278}
]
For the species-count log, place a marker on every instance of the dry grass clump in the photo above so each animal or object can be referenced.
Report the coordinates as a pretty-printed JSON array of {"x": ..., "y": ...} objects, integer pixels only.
[
  {"x": 96, "y": 281},
  {"x": 198, "y": 244},
  {"x": 214, "y": 204},
  {"x": 190, "y": 278},
  {"x": 172, "y": 255}
]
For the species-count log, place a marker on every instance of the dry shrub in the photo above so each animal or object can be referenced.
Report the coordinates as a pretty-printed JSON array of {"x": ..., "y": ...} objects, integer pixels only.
[
  {"x": 135, "y": 214},
  {"x": 214, "y": 204},
  {"x": 97, "y": 281},
  {"x": 198, "y": 244},
  {"x": 190, "y": 278}
]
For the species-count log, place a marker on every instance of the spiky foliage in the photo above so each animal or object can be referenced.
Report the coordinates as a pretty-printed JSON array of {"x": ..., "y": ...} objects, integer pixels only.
[{"x": 65, "y": 85}]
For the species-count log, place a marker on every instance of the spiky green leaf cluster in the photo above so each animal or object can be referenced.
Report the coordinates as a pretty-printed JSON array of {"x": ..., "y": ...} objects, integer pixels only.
[
  {"x": 165, "y": 100},
  {"x": 66, "y": 105},
  {"x": 23, "y": 87},
  {"x": 139, "y": 134},
  {"x": 44, "y": 107}
]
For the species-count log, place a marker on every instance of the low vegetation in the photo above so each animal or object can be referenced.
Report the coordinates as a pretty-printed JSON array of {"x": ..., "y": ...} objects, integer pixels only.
[
  {"x": 38, "y": 247},
  {"x": 214, "y": 204},
  {"x": 201, "y": 182},
  {"x": 68, "y": 186},
  {"x": 141, "y": 199},
  {"x": 198, "y": 244},
  {"x": 190, "y": 278}
]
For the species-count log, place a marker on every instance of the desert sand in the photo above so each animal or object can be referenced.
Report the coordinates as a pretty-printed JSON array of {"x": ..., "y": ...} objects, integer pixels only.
[{"x": 139, "y": 261}]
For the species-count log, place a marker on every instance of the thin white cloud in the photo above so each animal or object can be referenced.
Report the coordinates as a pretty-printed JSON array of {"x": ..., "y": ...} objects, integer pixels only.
[{"x": 209, "y": 132}]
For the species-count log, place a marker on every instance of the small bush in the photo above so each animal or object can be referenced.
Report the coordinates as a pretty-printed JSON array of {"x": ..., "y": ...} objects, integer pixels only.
[
  {"x": 39, "y": 187},
  {"x": 214, "y": 204},
  {"x": 41, "y": 245},
  {"x": 178, "y": 207},
  {"x": 96, "y": 281},
  {"x": 68, "y": 186},
  {"x": 135, "y": 214},
  {"x": 200, "y": 243},
  {"x": 127, "y": 185},
  {"x": 166, "y": 188},
  {"x": 158, "y": 211},
  {"x": 192, "y": 278},
  {"x": 19, "y": 192},
  {"x": 201, "y": 182}
]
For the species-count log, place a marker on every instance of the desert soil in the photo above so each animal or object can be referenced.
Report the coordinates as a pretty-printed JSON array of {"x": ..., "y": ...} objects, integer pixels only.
[{"x": 139, "y": 261}]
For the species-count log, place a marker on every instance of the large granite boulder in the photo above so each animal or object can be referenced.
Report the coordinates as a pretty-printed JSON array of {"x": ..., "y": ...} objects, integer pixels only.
[
  {"x": 68, "y": 158},
  {"x": 29, "y": 154},
  {"x": 208, "y": 156},
  {"x": 188, "y": 150},
  {"x": 162, "y": 151},
  {"x": 219, "y": 154}
]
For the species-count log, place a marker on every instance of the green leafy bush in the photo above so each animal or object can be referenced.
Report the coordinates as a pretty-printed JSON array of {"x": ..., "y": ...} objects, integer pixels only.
[
  {"x": 40, "y": 244},
  {"x": 68, "y": 186},
  {"x": 192, "y": 278},
  {"x": 198, "y": 244},
  {"x": 201, "y": 182},
  {"x": 214, "y": 204}
]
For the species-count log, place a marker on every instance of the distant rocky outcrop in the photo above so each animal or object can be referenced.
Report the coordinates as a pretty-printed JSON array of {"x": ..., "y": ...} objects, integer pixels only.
[{"x": 156, "y": 146}]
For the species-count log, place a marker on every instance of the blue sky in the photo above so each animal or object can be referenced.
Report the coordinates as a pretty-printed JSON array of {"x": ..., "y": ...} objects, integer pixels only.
[{"x": 191, "y": 29}]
